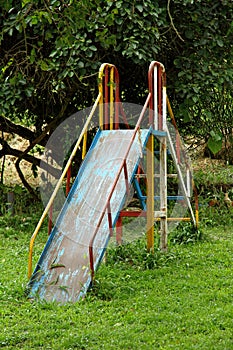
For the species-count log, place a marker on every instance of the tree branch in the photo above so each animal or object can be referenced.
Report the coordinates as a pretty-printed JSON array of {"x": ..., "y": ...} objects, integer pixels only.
[
  {"x": 25, "y": 183},
  {"x": 7, "y": 126},
  {"x": 171, "y": 20},
  {"x": 7, "y": 150}
]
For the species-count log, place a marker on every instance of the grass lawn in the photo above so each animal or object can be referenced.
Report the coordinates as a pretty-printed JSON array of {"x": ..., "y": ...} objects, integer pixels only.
[{"x": 183, "y": 303}]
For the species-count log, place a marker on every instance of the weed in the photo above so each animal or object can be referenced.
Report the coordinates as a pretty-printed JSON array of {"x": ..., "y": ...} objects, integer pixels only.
[
  {"x": 23, "y": 203},
  {"x": 212, "y": 216},
  {"x": 136, "y": 255},
  {"x": 186, "y": 233}
]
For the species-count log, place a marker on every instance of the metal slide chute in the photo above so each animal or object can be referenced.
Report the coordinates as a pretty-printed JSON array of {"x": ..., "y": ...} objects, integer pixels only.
[{"x": 64, "y": 271}]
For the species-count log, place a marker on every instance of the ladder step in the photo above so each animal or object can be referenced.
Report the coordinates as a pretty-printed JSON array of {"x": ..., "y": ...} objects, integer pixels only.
[
  {"x": 141, "y": 176},
  {"x": 159, "y": 214},
  {"x": 171, "y": 198},
  {"x": 157, "y": 152},
  {"x": 174, "y": 219},
  {"x": 159, "y": 133},
  {"x": 126, "y": 213}
]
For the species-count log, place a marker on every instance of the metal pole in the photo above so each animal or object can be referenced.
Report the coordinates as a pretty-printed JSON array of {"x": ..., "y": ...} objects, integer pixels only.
[
  {"x": 111, "y": 98},
  {"x": 10, "y": 203},
  {"x": 163, "y": 194},
  {"x": 119, "y": 231},
  {"x": 150, "y": 194}
]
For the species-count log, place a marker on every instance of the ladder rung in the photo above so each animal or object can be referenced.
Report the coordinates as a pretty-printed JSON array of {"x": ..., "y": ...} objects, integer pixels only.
[
  {"x": 170, "y": 198},
  {"x": 159, "y": 133},
  {"x": 141, "y": 176},
  {"x": 137, "y": 213},
  {"x": 159, "y": 214},
  {"x": 158, "y": 152},
  {"x": 175, "y": 219},
  {"x": 168, "y": 175}
]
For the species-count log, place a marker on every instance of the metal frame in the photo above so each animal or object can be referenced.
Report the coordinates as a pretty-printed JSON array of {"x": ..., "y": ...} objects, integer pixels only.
[
  {"x": 158, "y": 106},
  {"x": 157, "y": 102}
]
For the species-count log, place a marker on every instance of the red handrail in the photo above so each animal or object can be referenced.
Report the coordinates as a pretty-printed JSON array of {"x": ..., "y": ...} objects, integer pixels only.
[
  {"x": 161, "y": 82},
  {"x": 104, "y": 87},
  {"x": 107, "y": 205},
  {"x": 109, "y": 75}
]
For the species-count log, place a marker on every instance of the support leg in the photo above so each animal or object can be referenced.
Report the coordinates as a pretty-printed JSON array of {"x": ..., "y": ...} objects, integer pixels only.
[
  {"x": 163, "y": 194},
  {"x": 150, "y": 194},
  {"x": 119, "y": 231}
]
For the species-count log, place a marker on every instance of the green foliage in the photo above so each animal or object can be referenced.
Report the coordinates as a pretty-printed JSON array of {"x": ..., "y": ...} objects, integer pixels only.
[
  {"x": 55, "y": 50},
  {"x": 214, "y": 178},
  {"x": 185, "y": 234},
  {"x": 212, "y": 182},
  {"x": 204, "y": 91},
  {"x": 23, "y": 201},
  {"x": 212, "y": 216},
  {"x": 11, "y": 226},
  {"x": 51, "y": 53},
  {"x": 215, "y": 142},
  {"x": 136, "y": 255}
]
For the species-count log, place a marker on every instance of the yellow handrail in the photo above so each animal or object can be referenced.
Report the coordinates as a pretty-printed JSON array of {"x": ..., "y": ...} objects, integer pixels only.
[
  {"x": 46, "y": 210},
  {"x": 84, "y": 149},
  {"x": 111, "y": 96},
  {"x": 100, "y": 86},
  {"x": 101, "y": 101}
]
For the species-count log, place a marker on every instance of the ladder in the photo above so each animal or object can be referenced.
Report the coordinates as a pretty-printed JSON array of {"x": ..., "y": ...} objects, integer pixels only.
[{"x": 169, "y": 144}]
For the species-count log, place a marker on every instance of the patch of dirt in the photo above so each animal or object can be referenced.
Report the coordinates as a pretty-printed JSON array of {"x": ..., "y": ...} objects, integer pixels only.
[
  {"x": 204, "y": 163},
  {"x": 10, "y": 175}
]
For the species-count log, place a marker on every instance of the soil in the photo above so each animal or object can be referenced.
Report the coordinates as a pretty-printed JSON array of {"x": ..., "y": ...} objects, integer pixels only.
[{"x": 10, "y": 175}]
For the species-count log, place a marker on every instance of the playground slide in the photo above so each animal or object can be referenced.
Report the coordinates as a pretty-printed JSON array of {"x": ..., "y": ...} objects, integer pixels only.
[{"x": 63, "y": 271}]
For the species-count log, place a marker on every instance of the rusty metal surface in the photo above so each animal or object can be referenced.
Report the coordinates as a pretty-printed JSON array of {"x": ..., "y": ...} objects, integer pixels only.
[{"x": 63, "y": 272}]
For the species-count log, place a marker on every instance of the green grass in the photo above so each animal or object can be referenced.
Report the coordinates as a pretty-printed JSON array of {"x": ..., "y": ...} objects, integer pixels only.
[
  {"x": 183, "y": 301},
  {"x": 214, "y": 178}
]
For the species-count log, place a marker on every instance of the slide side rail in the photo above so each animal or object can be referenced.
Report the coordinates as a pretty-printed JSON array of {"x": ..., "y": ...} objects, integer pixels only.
[
  {"x": 107, "y": 207},
  {"x": 59, "y": 183}
]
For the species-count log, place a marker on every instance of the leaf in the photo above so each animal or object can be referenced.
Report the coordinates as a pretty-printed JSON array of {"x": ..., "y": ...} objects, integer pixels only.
[
  {"x": 53, "y": 283},
  {"x": 93, "y": 48},
  {"x": 181, "y": 74},
  {"x": 53, "y": 53},
  {"x": 220, "y": 42},
  {"x": 32, "y": 56},
  {"x": 54, "y": 266},
  {"x": 25, "y": 2},
  {"x": 195, "y": 99},
  {"x": 189, "y": 34},
  {"x": 80, "y": 64},
  {"x": 43, "y": 65},
  {"x": 215, "y": 143},
  {"x": 139, "y": 8},
  {"x": 64, "y": 288}
]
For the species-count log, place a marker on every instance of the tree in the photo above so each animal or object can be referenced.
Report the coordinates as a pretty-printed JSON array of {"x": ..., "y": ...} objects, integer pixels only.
[
  {"x": 203, "y": 91},
  {"x": 51, "y": 54},
  {"x": 52, "y": 50}
]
